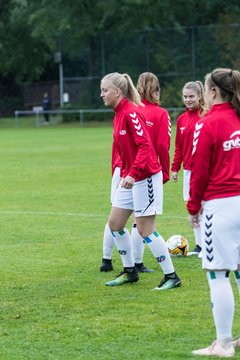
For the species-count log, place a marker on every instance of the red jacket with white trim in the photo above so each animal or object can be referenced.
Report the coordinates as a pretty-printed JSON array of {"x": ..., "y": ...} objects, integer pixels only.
[
  {"x": 159, "y": 128},
  {"x": 133, "y": 142},
  {"x": 183, "y": 141},
  {"x": 215, "y": 157}
]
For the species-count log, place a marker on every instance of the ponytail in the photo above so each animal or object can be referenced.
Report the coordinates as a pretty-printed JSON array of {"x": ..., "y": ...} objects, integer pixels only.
[
  {"x": 149, "y": 88},
  {"x": 236, "y": 91},
  {"x": 125, "y": 84},
  {"x": 228, "y": 82}
]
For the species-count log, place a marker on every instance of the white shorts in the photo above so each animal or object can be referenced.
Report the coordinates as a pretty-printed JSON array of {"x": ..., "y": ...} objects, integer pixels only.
[
  {"x": 220, "y": 234},
  {"x": 186, "y": 184},
  {"x": 145, "y": 198},
  {"x": 116, "y": 178}
]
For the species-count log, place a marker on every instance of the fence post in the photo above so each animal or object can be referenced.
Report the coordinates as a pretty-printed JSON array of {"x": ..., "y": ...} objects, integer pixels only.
[
  {"x": 37, "y": 119},
  {"x": 16, "y": 118},
  {"x": 81, "y": 118}
]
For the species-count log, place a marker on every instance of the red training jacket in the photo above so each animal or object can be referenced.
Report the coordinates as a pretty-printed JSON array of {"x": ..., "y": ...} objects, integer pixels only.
[
  {"x": 133, "y": 142},
  {"x": 183, "y": 141},
  {"x": 215, "y": 157},
  {"x": 159, "y": 128}
]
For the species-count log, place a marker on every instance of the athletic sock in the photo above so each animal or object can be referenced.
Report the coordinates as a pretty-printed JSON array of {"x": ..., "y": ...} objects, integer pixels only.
[
  {"x": 197, "y": 235},
  {"x": 108, "y": 243},
  {"x": 237, "y": 279},
  {"x": 222, "y": 303},
  {"x": 138, "y": 245},
  {"x": 160, "y": 251},
  {"x": 123, "y": 242}
]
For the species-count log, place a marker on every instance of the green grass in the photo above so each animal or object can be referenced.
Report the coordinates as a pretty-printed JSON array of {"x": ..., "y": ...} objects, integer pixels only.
[
  {"x": 55, "y": 188},
  {"x": 56, "y": 120}
]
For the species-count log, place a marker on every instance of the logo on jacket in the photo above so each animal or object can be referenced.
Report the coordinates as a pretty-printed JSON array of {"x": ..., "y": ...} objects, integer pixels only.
[
  {"x": 122, "y": 132},
  {"x": 136, "y": 123},
  {"x": 149, "y": 123},
  {"x": 233, "y": 142}
]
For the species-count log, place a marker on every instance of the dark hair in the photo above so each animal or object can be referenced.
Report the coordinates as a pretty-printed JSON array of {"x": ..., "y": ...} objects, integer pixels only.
[{"x": 228, "y": 82}]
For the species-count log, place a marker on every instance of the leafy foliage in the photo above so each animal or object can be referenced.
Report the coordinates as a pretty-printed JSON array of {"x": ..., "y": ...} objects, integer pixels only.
[
  {"x": 170, "y": 38},
  {"x": 31, "y": 31}
]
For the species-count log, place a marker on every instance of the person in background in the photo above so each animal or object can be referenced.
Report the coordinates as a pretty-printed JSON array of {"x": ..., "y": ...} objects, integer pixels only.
[
  {"x": 108, "y": 239},
  {"x": 215, "y": 196},
  {"x": 140, "y": 189},
  {"x": 46, "y": 104},
  {"x": 158, "y": 125},
  {"x": 157, "y": 119},
  {"x": 193, "y": 98}
]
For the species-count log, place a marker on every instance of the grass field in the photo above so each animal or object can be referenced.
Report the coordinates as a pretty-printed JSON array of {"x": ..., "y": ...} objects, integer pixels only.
[{"x": 55, "y": 186}]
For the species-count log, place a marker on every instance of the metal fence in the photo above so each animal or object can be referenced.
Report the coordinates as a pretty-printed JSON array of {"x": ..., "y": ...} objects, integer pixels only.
[
  {"x": 38, "y": 114},
  {"x": 174, "y": 55}
]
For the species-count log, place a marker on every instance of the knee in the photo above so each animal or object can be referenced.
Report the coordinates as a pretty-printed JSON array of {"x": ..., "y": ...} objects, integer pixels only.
[
  {"x": 141, "y": 232},
  {"x": 144, "y": 234},
  {"x": 114, "y": 225}
]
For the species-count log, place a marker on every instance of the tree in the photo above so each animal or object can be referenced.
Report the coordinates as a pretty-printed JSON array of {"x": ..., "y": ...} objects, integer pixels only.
[{"x": 95, "y": 36}]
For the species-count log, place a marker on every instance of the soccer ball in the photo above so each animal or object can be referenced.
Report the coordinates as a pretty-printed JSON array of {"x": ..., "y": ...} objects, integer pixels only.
[{"x": 178, "y": 245}]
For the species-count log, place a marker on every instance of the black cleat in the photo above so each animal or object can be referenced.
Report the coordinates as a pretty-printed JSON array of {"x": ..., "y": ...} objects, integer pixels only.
[
  {"x": 169, "y": 282},
  {"x": 196, "y": 251},
  {"x": 106, "y": 265},
  {"x": 124, "y": 277},
  {"x": 143, "y": 269}
]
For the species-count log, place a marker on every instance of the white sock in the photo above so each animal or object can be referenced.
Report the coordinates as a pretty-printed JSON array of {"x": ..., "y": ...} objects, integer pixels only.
[
  {"x": 237, "y": 279},
  {"x": 222, "y": 303},
  {"x": 160, "y": 251},
  {"x": 123, "y": 242},
  {"x": 138, "y": 245},
  {"x": 197, "y": 234},
  {"x": 108, "y": 243}
]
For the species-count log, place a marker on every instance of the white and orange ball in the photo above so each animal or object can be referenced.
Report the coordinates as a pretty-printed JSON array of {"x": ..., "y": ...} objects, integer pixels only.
[{"x": 178, "y": 245}]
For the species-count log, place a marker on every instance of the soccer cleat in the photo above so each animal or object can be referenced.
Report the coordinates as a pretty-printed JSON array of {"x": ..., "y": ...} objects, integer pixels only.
[
  {"x": 195, "y": 251},
  {"x": 236, "y": 343},
  {"x": 106, "y": 265},
  {"x": 143, "y": 269},
  {"x": 124, "y": 278},
  {"x": 216, "y": 349},
  {"x": 168, "y": 283},
  {"x": 200, "y": 255}
]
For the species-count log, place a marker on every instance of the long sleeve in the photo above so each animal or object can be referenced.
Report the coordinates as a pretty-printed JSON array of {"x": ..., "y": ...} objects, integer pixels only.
[
  {"x": 163, "y": 145},
  {"x": 201, "y": 167},
  {"x": 178, "y": 152}
]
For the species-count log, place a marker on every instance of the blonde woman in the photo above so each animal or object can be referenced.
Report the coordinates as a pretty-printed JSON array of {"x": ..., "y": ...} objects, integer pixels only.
[
  {"x": 193, "y": 98},
  {"x": 140, "y": 189}
]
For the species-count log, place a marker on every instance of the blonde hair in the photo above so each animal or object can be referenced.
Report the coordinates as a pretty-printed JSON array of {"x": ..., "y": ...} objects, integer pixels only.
[
  {"x": 228, "y": 82},
  {"x": 125, "y": 84},
  {"x": 198, "y": 88},
  {"x": 148, "y": 87}
]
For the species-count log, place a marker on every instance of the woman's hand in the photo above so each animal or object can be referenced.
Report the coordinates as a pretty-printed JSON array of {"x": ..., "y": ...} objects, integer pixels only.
[
  {"x": 195, "y": 220},
  {"x": 175, "y": 176},
  {"x": 128, "y": 182}
]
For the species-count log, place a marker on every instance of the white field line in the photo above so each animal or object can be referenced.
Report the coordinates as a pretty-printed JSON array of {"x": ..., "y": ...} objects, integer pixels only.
[{"x": 66, "y": 214}]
